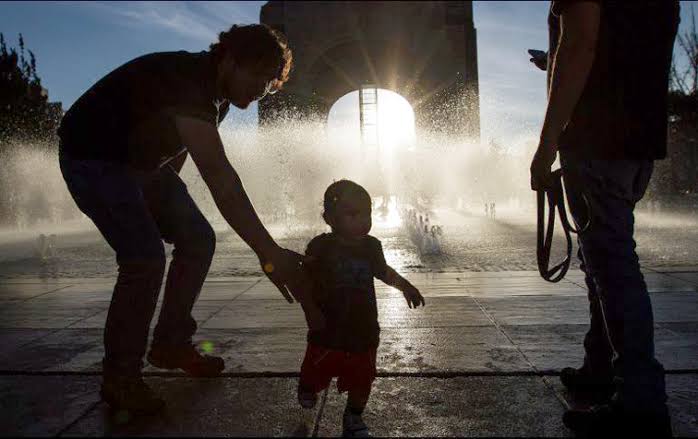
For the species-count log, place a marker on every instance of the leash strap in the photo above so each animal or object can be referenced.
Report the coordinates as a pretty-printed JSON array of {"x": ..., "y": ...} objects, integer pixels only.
[{"x": 556, "y": 201}]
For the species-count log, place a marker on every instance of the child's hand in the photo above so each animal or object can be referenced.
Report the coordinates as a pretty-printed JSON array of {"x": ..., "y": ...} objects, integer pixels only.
[{"x": 413, "y": 296}]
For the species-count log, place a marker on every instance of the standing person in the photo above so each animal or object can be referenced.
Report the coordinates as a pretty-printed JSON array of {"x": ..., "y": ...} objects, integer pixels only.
[
  {"x": 342, "y": 265},
  {"x": 122, "y": 145},
  {"x": 607, "y": 115}
]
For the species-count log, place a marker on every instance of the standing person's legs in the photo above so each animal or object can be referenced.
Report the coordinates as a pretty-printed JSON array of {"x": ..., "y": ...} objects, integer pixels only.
[
  {"x": 608, "y": 248},
  {"x": 598, "y": 352},
  {"x": 110, "y": 194},
  {"x": 181, "y": 223}
]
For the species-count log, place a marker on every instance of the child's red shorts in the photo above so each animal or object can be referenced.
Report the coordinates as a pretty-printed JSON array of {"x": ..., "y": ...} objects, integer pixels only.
[{"x": 355, "y": 370}]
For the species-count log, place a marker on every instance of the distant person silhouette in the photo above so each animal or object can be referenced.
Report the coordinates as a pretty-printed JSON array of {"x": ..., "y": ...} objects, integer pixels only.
[
  {"x": 122, "y": 144},
  {"x": 608, "y": 71},
  {"x": 342, "y": 265}
]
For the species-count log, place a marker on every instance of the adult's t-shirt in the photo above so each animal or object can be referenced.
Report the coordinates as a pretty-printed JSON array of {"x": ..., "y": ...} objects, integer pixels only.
[
  {"x": 129, "y": 115},
  {"x": 344, "y": 291},
  {"x": 622, "y": 112}
]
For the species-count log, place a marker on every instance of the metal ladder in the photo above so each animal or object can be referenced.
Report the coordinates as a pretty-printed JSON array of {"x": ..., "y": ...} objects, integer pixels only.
[{"x": 368, "y": 117}]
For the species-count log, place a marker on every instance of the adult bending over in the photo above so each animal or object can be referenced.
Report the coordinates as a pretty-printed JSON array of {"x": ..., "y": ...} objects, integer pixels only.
[{"x": 122, "y": 145}]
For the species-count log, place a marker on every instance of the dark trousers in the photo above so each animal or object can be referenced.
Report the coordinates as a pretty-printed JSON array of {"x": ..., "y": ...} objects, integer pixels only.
[
  {"x": 620, "y": 341},
  {"x": 135, "y": 211}
]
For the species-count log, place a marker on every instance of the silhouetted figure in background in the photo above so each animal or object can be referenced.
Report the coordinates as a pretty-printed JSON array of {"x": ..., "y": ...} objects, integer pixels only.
[
  {"x": 342, "y": 265},
  {"x": 607, "y": 114},
  {"x": 122, "y": 145}
]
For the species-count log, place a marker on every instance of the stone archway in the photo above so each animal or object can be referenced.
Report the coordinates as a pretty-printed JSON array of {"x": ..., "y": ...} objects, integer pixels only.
[{"x": 424, "y": 51}]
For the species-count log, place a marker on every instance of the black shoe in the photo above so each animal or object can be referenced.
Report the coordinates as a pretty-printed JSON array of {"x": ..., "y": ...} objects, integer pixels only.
[
  {"x": 130, "y": 394},
  {"x": 187, "y": 358},
  {"x": 611, "y": 420},
  {"x": 581, "y": 383}
]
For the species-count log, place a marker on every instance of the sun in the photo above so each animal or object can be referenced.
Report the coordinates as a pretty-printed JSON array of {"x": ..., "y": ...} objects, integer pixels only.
[{"x": 395, "y": 120}]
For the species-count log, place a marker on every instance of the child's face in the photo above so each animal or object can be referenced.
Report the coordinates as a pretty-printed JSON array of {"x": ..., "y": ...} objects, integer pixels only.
[{"x": 353, "y": 217}]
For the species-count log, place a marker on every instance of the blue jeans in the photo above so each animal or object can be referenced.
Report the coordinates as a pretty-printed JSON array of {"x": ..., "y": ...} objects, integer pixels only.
[
  {"x": 135, "y": 211},
  {"x": 620, "y": 341}
]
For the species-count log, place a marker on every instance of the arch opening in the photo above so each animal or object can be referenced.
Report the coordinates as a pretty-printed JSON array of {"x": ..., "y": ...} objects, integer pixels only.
[{"x": 394, "y": 123}]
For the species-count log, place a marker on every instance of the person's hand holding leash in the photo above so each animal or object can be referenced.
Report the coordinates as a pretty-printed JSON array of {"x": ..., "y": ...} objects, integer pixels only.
[{"x": 543, "y": 160}]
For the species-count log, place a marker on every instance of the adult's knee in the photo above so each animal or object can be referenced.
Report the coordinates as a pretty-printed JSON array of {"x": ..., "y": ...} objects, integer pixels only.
[
  {"x": 199, "y": 242},
  {"x": 146, "y": 263}
]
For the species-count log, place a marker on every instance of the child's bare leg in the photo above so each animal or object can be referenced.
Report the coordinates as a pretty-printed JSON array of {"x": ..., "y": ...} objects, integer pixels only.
[{"x": 356, "y": 401}]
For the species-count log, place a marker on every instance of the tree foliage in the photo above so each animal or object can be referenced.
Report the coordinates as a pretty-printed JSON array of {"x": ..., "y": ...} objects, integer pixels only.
[{"x": 25, "y": 113}]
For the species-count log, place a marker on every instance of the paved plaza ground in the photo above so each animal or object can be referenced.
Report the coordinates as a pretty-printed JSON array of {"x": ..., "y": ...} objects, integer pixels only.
[{"x": 481, "y": 359}]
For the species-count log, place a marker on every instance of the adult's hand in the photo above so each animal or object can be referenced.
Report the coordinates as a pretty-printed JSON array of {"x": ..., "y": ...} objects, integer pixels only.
[
  {"x": 539, "y": 58},
  {"x": 543, "y": 159},
  {"x": 283, "y": 268}
]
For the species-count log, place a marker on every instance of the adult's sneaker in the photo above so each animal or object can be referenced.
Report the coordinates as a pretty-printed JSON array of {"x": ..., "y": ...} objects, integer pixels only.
[
  {"x": 582, "y": 383},
  {"x": 187, "y": 358},
  {"x": 130, "y": 394}
]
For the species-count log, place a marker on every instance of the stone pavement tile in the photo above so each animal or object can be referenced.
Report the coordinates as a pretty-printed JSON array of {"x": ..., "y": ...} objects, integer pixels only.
[
  {"x": 549, "y": 347},
  {"x": 662, "y": 283},
  {"x": 569, "y": 290},
  {"x": 259, "y": 407},
  {"x": 690, "y": 277},
  {"x": 675, "y": 307},
  {"x": 102, "y": 291},
  {"x": 202, "y": 311},
  {"x": 438, "y": 312},
  {"x": 455, "y": 349},
  {"x": 67, "y": 349},
  {"x": 27, "y": 291},
  {"x": 683, "y": 404},
  {"x": 401, "y": 350},
  {"x": 682, "y": 329},
  {"x": 447, "y": 311},
  {"x": 552, "y": 347},
  {"x": 95, "y": 321},
  {"x": 226, "y": 290},
  {"x": 494, "y": 286},
  {"x": 49, "y": 314},
  {"x": 278, "y": 350},
  {"x": 675, "y": 269},
  {"x": 463, "y": 406},
  {"x": 537, "y": 310},
  {"x": 13, "y": 338},
  {"x": 677, "y": 345},
  {"x": 265, "y": 290},
  {"x": 682, "y": 390},
  {"x": 257, "y": 314},
  {"x": 44, "y": 405},
  {"x": 83, "y": 292}
]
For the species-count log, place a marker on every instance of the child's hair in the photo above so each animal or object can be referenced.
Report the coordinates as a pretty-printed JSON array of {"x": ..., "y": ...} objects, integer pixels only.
[
  {"x": 342, "y": 190},
  {"x": 259, "y": 44}
]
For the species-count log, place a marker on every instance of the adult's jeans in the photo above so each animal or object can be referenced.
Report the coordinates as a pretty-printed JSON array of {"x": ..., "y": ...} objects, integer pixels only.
[
  {"x": 620, "y": 341},
  {"x": 135, "y": 211}
]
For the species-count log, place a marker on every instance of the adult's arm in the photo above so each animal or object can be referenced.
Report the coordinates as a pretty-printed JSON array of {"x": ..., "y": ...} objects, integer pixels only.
[
  {"x": 206, "y": 148},
  {"x": 579, "y": 23}
]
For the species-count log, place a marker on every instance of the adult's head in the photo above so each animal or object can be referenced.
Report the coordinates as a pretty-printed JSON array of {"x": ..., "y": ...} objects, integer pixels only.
[{"x": 252, "y": 61}]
